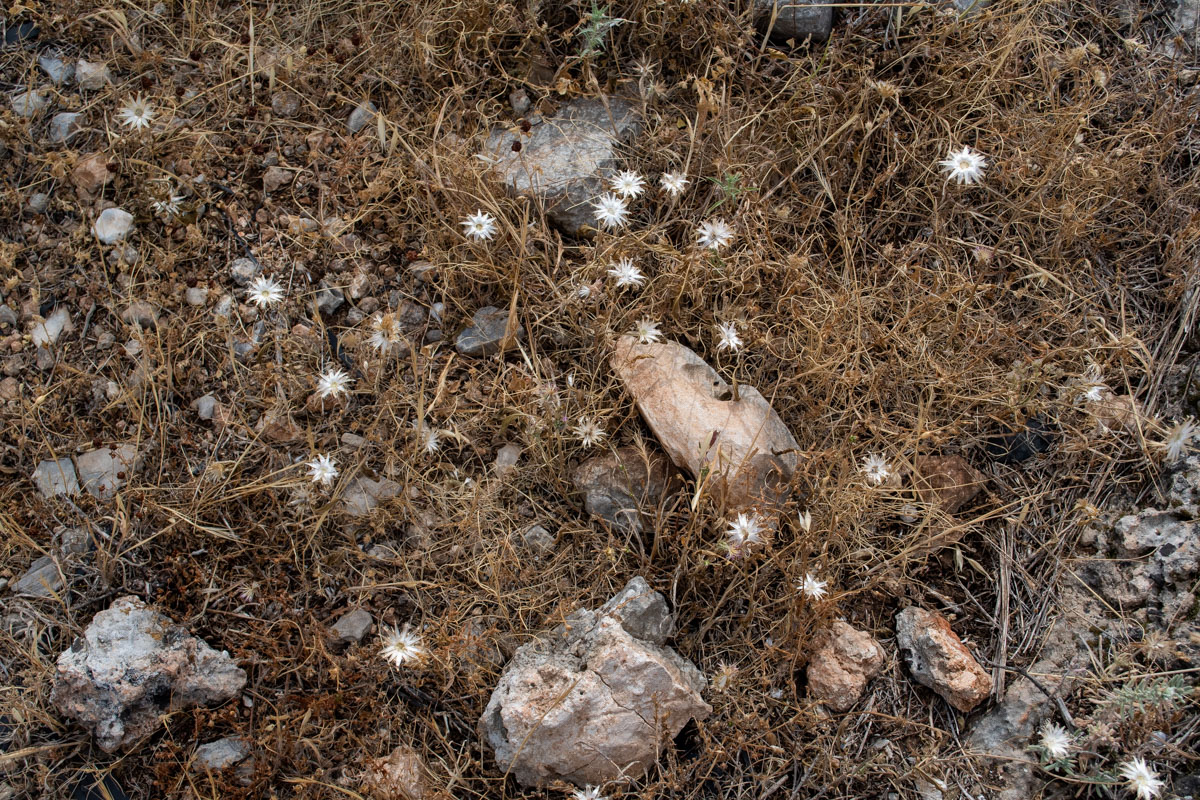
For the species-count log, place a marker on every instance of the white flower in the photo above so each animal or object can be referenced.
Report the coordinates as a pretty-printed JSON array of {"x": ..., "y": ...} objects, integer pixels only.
[
  {"x": 812, "y": 588},
  {"x": 1142, "y": 778},
  {"x": 628, "y": 184},
  {"x": 611, "y": 211},
  {"x": 876, "y": 468},
  {"x": 1178, "y": 440},
  {"x": 745, "y": 530},
  {"x": 333, "y": 382},
  {"x": 264, "y": 292},
  {"x": 714, "y": 234},
  {"x": 964, "y": 166},
  {"x": 673, "y": 183},
  {"x": 480, "y": 226},
  {"x": 137, "y": 113},
  {"x": 385, "y": 333},
  {"x": 1055, "y": 741},
  {"x": 723, "y": 676},
  {"x": 589, "y": 432},
  {"x": 647, "y": 331},
  {"x": 169, "y": 207},
  {"x": 322, "y": 470},
  {"x": 626, "y": 273},
  {"x": 729, "y": 337},
  {"x": 430, "y": 438},
  {"x": 402, "y": 646},
  {"x": 589, "y": 792}
]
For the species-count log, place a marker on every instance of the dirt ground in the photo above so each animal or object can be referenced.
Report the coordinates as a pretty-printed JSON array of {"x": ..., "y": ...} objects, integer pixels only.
[{"x": 883, "y": 310}]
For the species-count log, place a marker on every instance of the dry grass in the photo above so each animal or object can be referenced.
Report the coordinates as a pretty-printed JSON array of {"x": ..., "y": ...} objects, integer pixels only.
[{"x": 884, "y": 310}]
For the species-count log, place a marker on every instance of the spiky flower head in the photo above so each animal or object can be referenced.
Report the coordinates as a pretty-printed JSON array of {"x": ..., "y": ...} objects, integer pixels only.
[
  {"x": 322, "y": 470},
  {"x": 628, "y": 184},
  {"x": 647, "y": 331},
  {"x": 714, "y": 234},
  {"x": 812, "y": 588},
  {"x": 385, "y": 332},
  {"x": 673, "y": 183},
  {"x": 168, "y": 207},
  {"x": 264, "y": 292},
  {"x": 589, "y": 432},
  {"x": 1142, "y": 779},
  {"x": 745, "y": 531},
  {"x": 1178, "y": 439},
  {"x": 611, "y": 211},
  {"x": 333, "y": 382},
  {"x": 480, "y": 226},
  {"x": 876, "y": 468},
  {"x": 137, "y": 113},
  {"x": 723, "y": 676},
  {"x": 1055, "y": 742},
  {"x": 964, "y": 166},
  {"x": 402, "y": 647},
  {"x": 626, "y": 273},
  {"x": 428, "y": 437},
  {"x": 728, "y": 337},
  {"x": 589, "y": 792}
]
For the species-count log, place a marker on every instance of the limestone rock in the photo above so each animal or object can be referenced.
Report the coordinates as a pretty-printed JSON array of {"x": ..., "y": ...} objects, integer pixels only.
[
  {"x": 750, "y": 452},
  {"x": 56, "y": 477},
  {"x": 28, "y": 104},
  {"x": 352, "y": 626},
  {"x": 841, "y": 664},
  {"x": 244, "y": 270},
  {"x": 113, "y": 225},
  {"x": 402, "y": 775},
  {"x": 506, "y": 458},
  {"x": 363, "y": 494},
  {"x": 92, "y": 76},
  {"x": 596, "y": 698},
  {"x": 486, "y": 332},
  {"x": 131, "y": 666},
  {"x": 91, "y": 174},
  {"x": 206, "y": 407},
  {"x": 57, "y": 70},
  {"x": 102, "y": 472},
  {"x": 276, "y": 178},
  {"x": 938, "y": 659},
  {"x": 47, "y": 332},
  {"x": 537, "y": 540},
  {"x": 63, "y": 126},
  {"x": 566, "y": 160},
  {"x": 42, "y": 579},
  {"x": 222, "y": 754},
  {"x": 285, "y": 104},
  {"x": 946, "y": 481},
  {"x": 795, "y": 19},
  {"x": 621, "y": 485},
  {"x": 361, "y": 116}
]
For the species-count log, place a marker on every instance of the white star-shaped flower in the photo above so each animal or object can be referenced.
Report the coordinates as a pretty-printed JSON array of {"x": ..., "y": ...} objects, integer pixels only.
[
  {"x": 647, "y": 331},
  {"x": 589, "y": 432},
  {"x": 745, "y": 531},
  {"x": 964, "y": 166},
  {"x": 1055, "y": 741},
  {"x": 322, "y": 470},
  {"x": 264, "y": 292},
  {"x": 611, "y": 211},
  {"x": 628, "y": 184},
  {"x": 168, "y": 207},
  {"x": 137, "y": 113},
  {"x": 1142, "y": 778},
  {"x": 333, "y": 383},
  {"x": 402, "y": 647},
  {"x": 728, "y": 337},
  {"x": 626, "y": 274},
  {"x": 429, "y": 437},
  {"x": 589, "y": 792},
  {"x": 1178, "y": 439},
  {"x": 812, "y": 588},
  {"x": 480, "y": 226},
  {"x": 385, "y": 332},
  {"x": 876, "y": 468},
  {"x": 673, "y": 183},
  {"x": 714, "y": 234}
]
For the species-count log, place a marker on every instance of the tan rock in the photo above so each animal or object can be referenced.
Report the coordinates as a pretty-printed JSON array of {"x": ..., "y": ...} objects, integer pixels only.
[
  {"x": 276, "y": 178},
  {"x": 750, "y": 452},
  {"x": 938, "y": 658},
  {"x": 91, "y": 174},
  {"x": 946, "y": 481},
  {"x": 402, "y": 775},
  {"x": 275, "y": 427},
  {"x": 622, "y": 485},
  {"x": 844, "y": 660},
  {"x": 1118, "y": 412}
]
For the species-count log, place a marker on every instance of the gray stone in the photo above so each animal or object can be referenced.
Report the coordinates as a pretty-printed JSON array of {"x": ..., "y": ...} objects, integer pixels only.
[
  {"x": 133, "y": 665},
  {"x": 8, "y": 317},
  {"x": 244, "y": 270},
  {"x": 566, "y": 160},
  {"x": 47, "y": 333},
  {"x": 970, "y": 7},
  {"x": 285, "y": 104},
  {"x": 56, "y": 69},
  {"x": 92, "y": 76},
  {"x": 42, "y": 579},
  {"x": 39, "y": 202},
  {"x": 101, "y": 470},
  {"x": 486, "y": 333},
  {"x": 276, "y": 178},
  {"x": 1187, "y": 22},
  {"x": 795, "y": 19},
  {"x": 196, "y": 295},
  {"x": 56, "y": 477},
  {"x": 353, "y": 441},
  {"x": 221, "y": 754},
  {"x": 28, "y": 104},
  {"x": 113, "y": 225},
  {"x": 224, "y": 309},
  {"x": 361, "y": 117},
  {"x": 352, "y": 627},
  {"x": 506, "y": 458},
  {"x": 141, "y": 314},
  {"x": 73, "y": 542},
  {"x": 63, "y": 126},
  {"x": 205, "y": 407},
  {"x": 364, "y": 494},
  {"x": 621, "y": 485},
  {"x": 595, "y": 699},
  {"x": 329, "y": 298},
  {"x": 537, "y": 540}
]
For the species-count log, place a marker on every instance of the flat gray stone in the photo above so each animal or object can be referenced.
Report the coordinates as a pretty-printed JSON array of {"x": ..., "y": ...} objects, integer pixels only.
[
  {"x": 483, "y": 337},
  {"x": 56, "y": 477},
  {"x": 205, "y": 407},
  {"x": 56, "y": 69},
  {"x": 221, "y": 754},
  {"x": 28, "y": 104},
  {"x": 329, "y": 298},
  {"x": 92, "y": 76},
  {"x": 795, "y": 19},
  {"x": 537, "y": 540},
  {"x": 363, "y": 495},
  {"x": 565, "y": 161},
  {"x": 63, "y": 126},
  {"x": 351, "y": 627},
  {"x": 361, "y": 117},
  {"x": 101, "y": 470},
  {"x": 42, "y": 579}
]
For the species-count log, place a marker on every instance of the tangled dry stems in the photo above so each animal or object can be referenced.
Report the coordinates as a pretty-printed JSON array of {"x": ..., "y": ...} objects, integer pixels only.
[{"x": 883, "y": 311}]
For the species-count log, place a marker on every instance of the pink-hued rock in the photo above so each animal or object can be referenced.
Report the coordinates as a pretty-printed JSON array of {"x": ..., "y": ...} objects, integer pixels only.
[
  {"x": 938, "y": 659},
  {"x": 402, "y": 775},
  {"x": 948, "y": 481},
  {"x": 750, "y": 452},
  {"x": 596, "y": 699},
  {"x": 131, "y": 666},
  {"x": 844, "y": 660}
]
